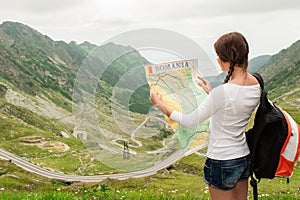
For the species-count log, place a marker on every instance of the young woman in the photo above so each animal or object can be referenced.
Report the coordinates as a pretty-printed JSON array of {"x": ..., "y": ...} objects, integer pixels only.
[{"x": 230, "y": 106}]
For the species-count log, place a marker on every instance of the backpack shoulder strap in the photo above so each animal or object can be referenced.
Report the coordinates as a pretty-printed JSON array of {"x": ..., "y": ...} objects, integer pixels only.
[
  {"x": 260, "y": 80},
  {"x": 264, "y": 101}
]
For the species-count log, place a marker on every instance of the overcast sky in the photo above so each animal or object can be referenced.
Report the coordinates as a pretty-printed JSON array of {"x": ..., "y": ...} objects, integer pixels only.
[{"x": 268, "y": 25}]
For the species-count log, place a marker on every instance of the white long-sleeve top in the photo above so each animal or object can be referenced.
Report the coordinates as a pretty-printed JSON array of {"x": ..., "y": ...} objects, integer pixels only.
[{"x": 230, "y": 107}]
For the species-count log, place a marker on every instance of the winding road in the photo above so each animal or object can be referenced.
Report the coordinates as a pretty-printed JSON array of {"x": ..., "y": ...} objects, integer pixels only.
[{"x": 177, "y": 155}]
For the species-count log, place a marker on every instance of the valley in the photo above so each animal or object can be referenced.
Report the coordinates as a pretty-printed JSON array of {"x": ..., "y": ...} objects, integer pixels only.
[{"x": 44, "y": 122}]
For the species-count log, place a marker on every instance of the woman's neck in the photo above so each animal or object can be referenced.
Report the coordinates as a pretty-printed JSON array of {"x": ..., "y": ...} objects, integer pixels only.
[{"x": 239, "y": 76}]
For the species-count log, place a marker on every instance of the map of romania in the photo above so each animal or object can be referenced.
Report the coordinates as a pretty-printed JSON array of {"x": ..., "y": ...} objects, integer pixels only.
[{"x": 175, "y": 82}]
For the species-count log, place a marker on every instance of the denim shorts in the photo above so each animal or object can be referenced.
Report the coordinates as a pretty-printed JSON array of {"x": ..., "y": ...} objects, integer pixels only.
[{"x": 224, "y": 174}]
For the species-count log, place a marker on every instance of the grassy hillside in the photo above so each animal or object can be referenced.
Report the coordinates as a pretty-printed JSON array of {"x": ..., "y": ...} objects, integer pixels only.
[
  {"x": 181, "y": 181},
  {"x": 281, "y": 73},
  {"x": 282, "y": 79}
]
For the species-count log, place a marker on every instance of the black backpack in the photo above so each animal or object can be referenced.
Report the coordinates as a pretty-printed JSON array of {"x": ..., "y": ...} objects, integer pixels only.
[{"x": 273, "y": 133}]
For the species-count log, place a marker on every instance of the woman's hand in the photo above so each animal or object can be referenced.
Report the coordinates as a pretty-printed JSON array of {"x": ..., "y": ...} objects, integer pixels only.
[
  {"x": 204, "y": 84},
  {"x": 157, "y": 101},
  {"x": 155, "y": 97}
]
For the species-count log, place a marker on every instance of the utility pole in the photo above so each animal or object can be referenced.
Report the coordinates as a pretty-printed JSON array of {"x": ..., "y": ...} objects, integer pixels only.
[{"x": 126, "y": 154}]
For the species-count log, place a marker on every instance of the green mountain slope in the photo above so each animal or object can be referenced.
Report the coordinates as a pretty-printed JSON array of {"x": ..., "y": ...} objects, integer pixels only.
[
  {"x": 283, "y": 68},
  {"x": 282, "y": 76},
  {"x": 36, "y": 64},
  {"x": 256, "y": 63}
]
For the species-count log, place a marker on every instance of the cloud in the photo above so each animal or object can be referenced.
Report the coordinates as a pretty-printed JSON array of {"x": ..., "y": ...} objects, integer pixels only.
[
  {"x": 172, "y": 10},
  {"x": 269, "y": 25},
  {"x": 38, "y": 7}
]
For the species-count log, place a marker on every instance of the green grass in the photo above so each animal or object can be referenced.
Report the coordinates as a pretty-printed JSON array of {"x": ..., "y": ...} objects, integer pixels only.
[
  {"x": 123, "y": 194},
  {"x": 294, "y": 112},
  {"x": 110, "y": 195},
  {"x": 183, "y": 181}
]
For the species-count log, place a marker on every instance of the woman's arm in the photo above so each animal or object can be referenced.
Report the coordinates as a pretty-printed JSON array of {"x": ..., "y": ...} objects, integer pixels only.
[
  {"x": 197, "y": 116},
  {"x": 193, "y": 119},
  {"x": 156, "y": 99}
]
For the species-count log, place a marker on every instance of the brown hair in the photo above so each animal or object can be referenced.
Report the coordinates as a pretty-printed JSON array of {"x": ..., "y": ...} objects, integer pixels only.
[{"x": 233, "y": 48}]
